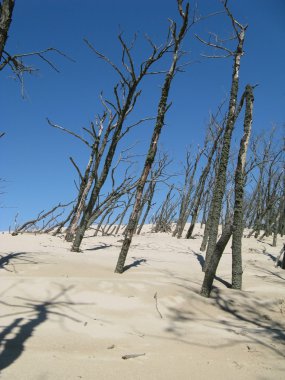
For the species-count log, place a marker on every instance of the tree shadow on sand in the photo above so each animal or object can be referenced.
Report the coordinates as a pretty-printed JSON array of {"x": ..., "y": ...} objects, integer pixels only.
[
  {"x": 15, "y": 258},
  {"x": 201, "y": 260},
  {"x": 98, "y": 247},
  {"x": 22, "y": 328},
  {"x": 134, "y": 264},
  {"x": 246, "y": 318}
]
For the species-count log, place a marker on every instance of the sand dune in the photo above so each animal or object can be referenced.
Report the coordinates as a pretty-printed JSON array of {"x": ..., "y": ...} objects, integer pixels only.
[{"x": 68, "y": 316}]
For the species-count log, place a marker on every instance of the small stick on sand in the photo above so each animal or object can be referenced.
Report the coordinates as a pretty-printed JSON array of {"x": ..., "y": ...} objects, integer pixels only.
[
  {"x": 155, "y": 297},
  {"x": 131, "y": 356}
]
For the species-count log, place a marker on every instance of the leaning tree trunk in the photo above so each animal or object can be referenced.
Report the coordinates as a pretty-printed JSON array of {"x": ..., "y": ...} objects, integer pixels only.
[
  {"x": 6, "y": 11},
  {"x": 214, "y": 262},
  {"x": 187, "y": 203},
  {"x": 239, "y": 193},
  {"x": 85, "y": 186},
  {"x": 148, "y": 207},
  {"x": 201, "y": 186},
  {"x": 128, "y": 204},
  {"x": 123, "y": 106},
  {"x": 206, "y": 222},
  {"x": 220, "y": 183},
  {"x": 162, "y": 109}
]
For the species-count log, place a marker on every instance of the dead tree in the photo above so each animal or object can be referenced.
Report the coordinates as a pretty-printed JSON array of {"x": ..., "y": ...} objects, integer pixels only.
[
  {"x": 214, "y": 136},
  {"x": 234, "y": 225},
  {"x": 205, "y": 207},
  {"x": 128, "y": 204},
  {"x": 108, "y": 130},
  {"x": 177, "y": 37},
  {"x": 187, "y": 199},
  {"x": 48, "y": 218},
  {"x": 214, "y": 262},
  {"x": 129, "y": 84},
  {"x": 107, "y": 214},
  {"x": 238, "y": 219},
  {"x": 163, "y": 219},
  {"x": 209, "y": 196},
  {"x": 147, "y": 201},
  {"x": 111, "y": 228},
  {"x": 6, "y": 12},
  {"x": 265, "y": 201},
  {"x": 233, "y": 110},
  {"x": 111, "y": 200},
  {"x": 16, "y": 62},
  {"x": 157, "y": 175}
]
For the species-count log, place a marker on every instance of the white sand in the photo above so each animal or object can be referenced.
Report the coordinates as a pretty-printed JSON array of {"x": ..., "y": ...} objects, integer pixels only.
[{"x": 66, "y": 315}]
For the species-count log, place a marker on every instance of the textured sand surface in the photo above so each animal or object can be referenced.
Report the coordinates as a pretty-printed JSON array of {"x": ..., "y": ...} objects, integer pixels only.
[{"x": 66, "y": 315}]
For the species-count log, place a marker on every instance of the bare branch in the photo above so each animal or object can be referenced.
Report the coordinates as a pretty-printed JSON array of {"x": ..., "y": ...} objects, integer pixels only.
[
  {"x": 106, "y": 59},
  {"x": 70, "y": 132},
  {"x": 214, "y": 45},
  {"x": 77, "y": 168}
]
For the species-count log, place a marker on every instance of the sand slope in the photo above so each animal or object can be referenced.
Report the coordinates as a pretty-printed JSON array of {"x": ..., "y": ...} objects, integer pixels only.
[{"x": 66, "y": 315}]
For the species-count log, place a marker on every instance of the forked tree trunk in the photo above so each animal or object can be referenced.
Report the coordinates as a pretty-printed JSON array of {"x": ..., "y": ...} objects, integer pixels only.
[{"x": 214, "y": 262}]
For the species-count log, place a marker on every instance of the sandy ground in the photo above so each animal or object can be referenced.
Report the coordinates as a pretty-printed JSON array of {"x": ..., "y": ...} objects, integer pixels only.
[{"x": 66, "y": 315}]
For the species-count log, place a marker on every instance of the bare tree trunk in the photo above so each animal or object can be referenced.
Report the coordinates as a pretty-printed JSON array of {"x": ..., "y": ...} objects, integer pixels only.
[
  {"x": 6, "y": 11},
  {"x": 123, "y": 108},
  {"x": 206, "y": 219},
  {"x": 186, "y": 194},
  {"x": 220, "y": 183},
  {"x": 148, "y": 207},
  {"x": 238, "y": 225},
  {"x": 162, "y": 109},
  {"x": 214, "y": 262},
  {"x": 200, "y": 188},
  {"x": 99, "y": 225},
  {"x": 124, "y": 213},
  {"x": 205, "y": 210},
  {"x": 112, "y": 224},
  {"x": 209, "y": 194},
  {"x": 85, "y": 187},
  {"x": 163, "y": 218}
]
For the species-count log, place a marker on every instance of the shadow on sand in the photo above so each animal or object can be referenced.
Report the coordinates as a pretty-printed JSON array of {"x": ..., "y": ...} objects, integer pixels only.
[
  {"x": 134, "y": 264},
  {"x": 22, "y": 328},
  {"x": 247, "y": 318},
  {"x": 97, "y": 248},
  {"x": 201, "y": 260},
  {"x": 15, "y": 258}
]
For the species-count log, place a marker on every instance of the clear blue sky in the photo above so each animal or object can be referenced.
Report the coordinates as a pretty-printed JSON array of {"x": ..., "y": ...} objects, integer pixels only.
[{"x": 34, "y": 156}]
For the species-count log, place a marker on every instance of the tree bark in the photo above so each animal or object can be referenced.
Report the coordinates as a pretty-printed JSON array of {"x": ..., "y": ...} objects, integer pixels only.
[
  {"x": 200, "y": 189},
  {"x": 220, "y": 183},
  {"x": 149, "y": 204},
  {"x": 85, "y": 187},
  {"x": 211, "y": 268},
  {"x": 6, "y": 12},
  {"x": 238, "y": 224}
]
